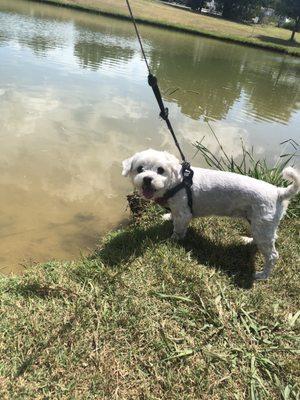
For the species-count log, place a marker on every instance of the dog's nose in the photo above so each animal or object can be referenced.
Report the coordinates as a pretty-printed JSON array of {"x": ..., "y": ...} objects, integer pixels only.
[{"x": 147, "y": 180}]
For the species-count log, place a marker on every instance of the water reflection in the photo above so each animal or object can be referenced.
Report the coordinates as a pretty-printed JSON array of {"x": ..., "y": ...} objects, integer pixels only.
[
  {"x": 92, "y": 54},
  {"x": 74, "y": 103},
  {"x": 204, "y": 77},
  {"x": 42, "y": 33},
  {"x": 39, "y": 44},
  {"x": 273, "y": 91},
  {"x": 217, "y": 76},
  {"x": 206, "y": 86}
]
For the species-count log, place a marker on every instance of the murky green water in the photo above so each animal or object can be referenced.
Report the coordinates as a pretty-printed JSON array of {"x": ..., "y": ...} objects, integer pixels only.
[{"x": 74, "y": 103}]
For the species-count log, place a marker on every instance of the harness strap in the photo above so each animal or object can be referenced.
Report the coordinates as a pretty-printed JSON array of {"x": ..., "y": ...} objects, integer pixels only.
[{"x": 186, "y": 184}]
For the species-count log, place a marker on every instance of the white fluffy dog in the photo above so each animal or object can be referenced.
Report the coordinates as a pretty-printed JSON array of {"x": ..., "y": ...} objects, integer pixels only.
[{"x": 215, "y": 193}]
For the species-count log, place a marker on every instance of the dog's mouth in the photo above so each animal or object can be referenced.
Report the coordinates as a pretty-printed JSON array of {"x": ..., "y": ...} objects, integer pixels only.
[{"x": 148, "y": 192}]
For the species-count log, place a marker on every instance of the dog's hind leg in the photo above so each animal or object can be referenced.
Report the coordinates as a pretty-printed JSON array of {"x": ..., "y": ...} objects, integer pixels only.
[
  {"x": 264, "y": 234},
  {"x": 271, "y": 255}
]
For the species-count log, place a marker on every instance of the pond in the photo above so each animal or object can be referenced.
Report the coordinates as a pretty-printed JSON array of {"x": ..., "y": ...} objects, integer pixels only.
[{"x": 74, "y": 103}]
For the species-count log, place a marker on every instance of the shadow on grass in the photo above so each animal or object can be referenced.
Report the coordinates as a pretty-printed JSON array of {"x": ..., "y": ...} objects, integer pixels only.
[
  {"x": 44, "y": 291},
  {"x": 236, "y": 260},
  {"x": 33, "y": 355},
  {"x": 281, "y": 42}
]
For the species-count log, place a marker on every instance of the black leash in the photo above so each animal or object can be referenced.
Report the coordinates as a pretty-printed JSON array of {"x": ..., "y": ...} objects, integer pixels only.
[{"x": 186, "y": 170}]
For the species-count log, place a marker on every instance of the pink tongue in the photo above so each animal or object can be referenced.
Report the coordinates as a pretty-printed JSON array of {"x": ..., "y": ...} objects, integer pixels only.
[{"x": 148, "y": 193}]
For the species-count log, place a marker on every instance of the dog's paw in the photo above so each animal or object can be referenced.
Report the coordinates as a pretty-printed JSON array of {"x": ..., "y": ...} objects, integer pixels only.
[
  {"x": 260, "y": 276},
  {"x": 247, "y": 240},
  {"x": 167, "y": 217}
]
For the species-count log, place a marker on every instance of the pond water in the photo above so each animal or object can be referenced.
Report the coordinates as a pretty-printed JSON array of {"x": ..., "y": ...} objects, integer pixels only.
[{"x": 74, "y": 103}]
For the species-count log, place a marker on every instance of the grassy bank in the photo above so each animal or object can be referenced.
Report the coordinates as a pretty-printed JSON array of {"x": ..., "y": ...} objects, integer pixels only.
[
  {"x": 156, "y": 13},
  {"x": 146, "y": 318}
]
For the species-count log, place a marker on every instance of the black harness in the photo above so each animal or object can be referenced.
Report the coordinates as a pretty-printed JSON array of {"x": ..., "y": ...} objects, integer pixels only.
[{"x": 186, "y": 184}]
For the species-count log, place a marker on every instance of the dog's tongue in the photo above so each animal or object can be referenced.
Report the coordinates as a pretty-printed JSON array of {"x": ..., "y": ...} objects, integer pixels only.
[{"x": 148, "y": 193}]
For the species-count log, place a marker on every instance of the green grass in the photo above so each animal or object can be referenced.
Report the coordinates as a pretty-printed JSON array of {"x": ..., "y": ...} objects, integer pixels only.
[
  {"x": 147, "y": 318},
  {"x": 156, "y": 13}
]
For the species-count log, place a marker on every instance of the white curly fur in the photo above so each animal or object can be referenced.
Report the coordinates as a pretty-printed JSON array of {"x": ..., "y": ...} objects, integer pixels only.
[{"x": 216, "y": 193}]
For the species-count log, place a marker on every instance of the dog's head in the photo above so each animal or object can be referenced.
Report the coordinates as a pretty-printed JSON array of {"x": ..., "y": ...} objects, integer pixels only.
[{"x": 152, "y": 172}]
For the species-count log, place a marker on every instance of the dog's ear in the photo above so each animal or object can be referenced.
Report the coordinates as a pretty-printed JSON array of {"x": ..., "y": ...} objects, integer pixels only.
[
  {"x": 127, "y": 165},
  {"x": 175, "y": 166},
  {"x": 171, "y": 159}
]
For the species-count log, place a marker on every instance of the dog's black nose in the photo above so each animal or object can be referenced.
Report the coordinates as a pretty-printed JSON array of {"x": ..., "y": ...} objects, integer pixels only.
[{"x": 147, "y": 180}]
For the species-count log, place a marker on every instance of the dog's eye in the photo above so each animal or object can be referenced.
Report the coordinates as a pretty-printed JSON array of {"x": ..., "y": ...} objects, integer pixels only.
[
  {"x": 140, "y": 169},
  {"x": 160, "y": 170}
]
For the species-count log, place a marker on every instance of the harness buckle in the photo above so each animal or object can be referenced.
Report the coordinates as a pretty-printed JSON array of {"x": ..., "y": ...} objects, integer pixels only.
[{"x": 187, "y": 174}]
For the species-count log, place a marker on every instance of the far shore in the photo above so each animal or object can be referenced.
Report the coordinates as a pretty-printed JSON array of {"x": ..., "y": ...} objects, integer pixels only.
[{"x": 157, "y": 13}]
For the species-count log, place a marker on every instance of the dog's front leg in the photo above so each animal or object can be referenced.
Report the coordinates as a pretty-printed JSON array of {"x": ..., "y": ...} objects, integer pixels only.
[
  {"x": 167, "y": 217},
  {"x": 181, "y": 221}
]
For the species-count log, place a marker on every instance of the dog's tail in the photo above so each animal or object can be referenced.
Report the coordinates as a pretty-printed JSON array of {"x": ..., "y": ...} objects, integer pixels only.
[{"x": 291, "y": 175}]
